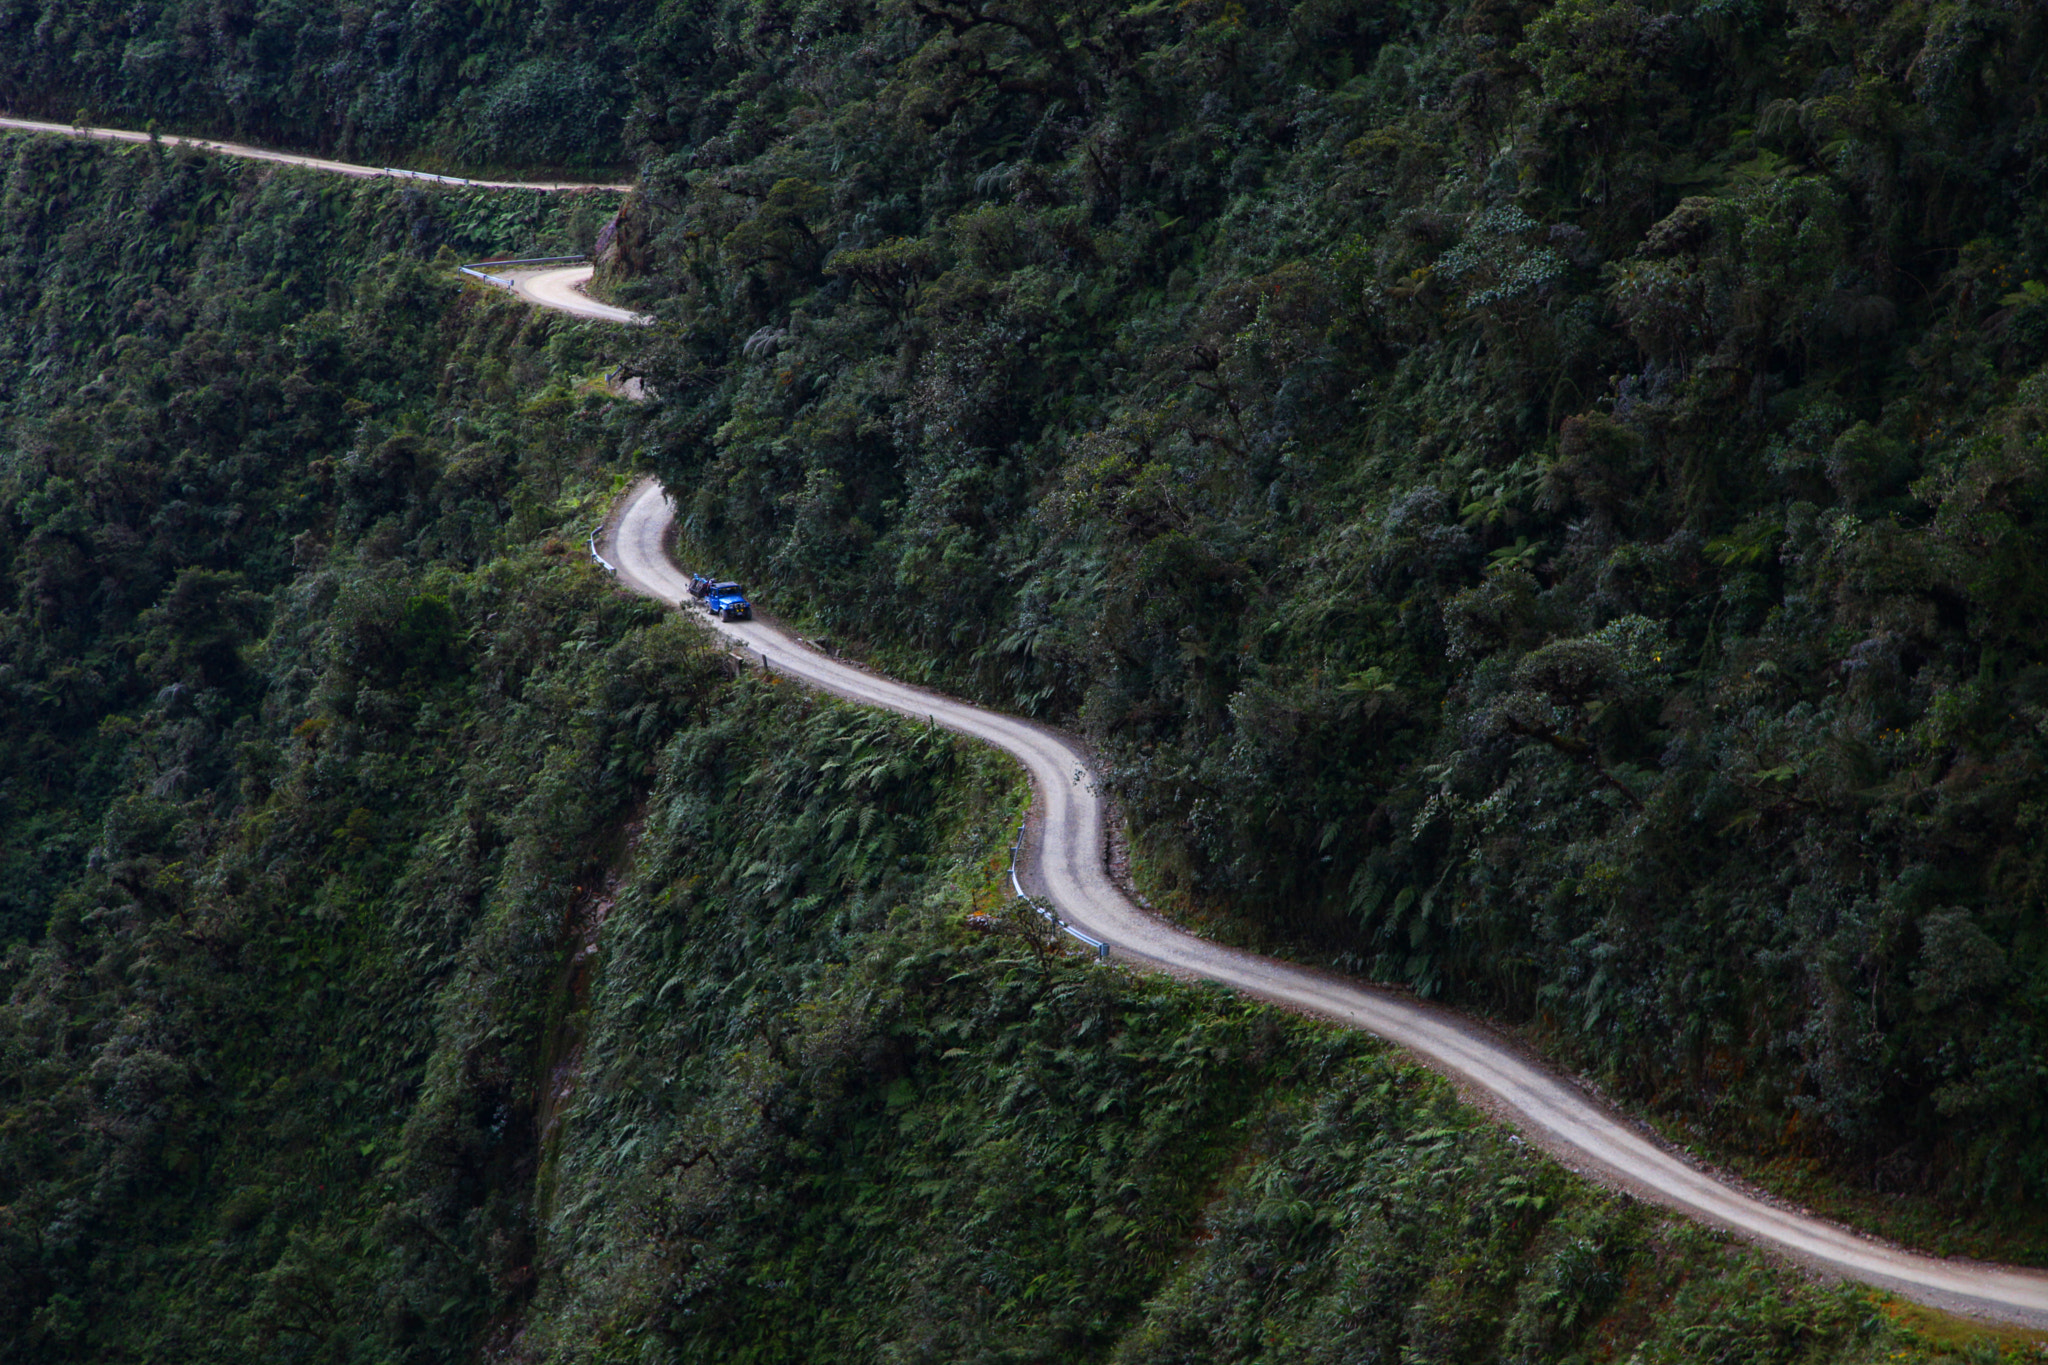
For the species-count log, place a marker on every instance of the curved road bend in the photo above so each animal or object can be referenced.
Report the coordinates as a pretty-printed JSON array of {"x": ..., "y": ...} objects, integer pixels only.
[
  {"x": 1550, "y": 1111},
  {"x": 562, "y": 289},
  {"x": 1069, "y": 868},
  {"x": 290, "y": 159}
]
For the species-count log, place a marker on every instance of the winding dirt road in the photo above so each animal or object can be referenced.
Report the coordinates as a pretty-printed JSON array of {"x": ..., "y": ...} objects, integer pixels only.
[
  {"x": 562, "y": 289},
  {"x": 1068, "y": 867},
  {"x": 317, "y": 163}
]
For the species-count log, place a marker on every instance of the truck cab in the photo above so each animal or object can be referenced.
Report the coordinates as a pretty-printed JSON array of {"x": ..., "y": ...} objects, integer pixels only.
[{"x": 727, "y": 602}]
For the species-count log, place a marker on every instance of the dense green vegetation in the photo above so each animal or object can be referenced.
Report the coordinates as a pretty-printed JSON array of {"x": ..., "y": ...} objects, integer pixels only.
[
  {"x": 478, "y": 86},
  {"x": 949, "y": 1146},
  {"x": 1536, "y": 502},
  {"x": 292, "y": 733},
  {"x": 443, "y": 954},
  {"x": 206, "y": 372}
]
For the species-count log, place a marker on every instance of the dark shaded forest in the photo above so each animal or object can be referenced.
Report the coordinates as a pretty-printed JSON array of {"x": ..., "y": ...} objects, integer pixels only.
[
  {"x": 422, "y": 951},
  {"x": 1533, "y": 503},
  {"x": 483, "y": 86},
  {"x": 190, "y": 421}
]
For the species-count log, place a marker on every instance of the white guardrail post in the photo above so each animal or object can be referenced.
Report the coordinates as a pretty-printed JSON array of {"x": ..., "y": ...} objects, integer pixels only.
[{"x": 1101, "y": 948}]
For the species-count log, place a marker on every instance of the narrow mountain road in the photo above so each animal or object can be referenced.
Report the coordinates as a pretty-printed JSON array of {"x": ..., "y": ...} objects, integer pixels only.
[
  {"x": 1068, "y": 867},
  {"x": 317, "y": 163},
  {"x": 563, "y": 289}
]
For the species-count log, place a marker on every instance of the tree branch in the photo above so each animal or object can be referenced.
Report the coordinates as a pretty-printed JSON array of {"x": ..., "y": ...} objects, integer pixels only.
[{"x": 1572, "y": 747}]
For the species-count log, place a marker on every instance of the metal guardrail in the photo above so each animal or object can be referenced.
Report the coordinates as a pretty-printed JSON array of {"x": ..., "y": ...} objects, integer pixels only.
[
  {"x": 504, "y": 282},
  {"x": 1101, "y": 948},
  {"x": 532, "y": 260},
  {"x": 603, "y": 563},
  {"x": 400, "y": 173},
  {"x": 427, "y": 175}
]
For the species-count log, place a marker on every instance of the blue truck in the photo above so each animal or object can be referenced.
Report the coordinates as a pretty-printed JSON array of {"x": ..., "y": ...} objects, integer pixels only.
[{"x": 723, "y": 600}]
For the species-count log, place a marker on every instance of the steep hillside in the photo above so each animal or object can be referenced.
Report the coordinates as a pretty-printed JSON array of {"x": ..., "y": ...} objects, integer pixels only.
[
  {"x": 467, "y": 960},
  {"x": 1536, "y": 502},
  {"x": 429, "y": 86},
  {"x": 205, "y": 368},
  {"x": 1533, "y": 502}
]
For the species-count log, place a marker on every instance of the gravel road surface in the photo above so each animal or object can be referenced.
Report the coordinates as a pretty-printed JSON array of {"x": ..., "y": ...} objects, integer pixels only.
[
  {"x": 562, "y": 288},
  {"x": 318, "y": 163},
  {"x": 1068, "y": 867}
]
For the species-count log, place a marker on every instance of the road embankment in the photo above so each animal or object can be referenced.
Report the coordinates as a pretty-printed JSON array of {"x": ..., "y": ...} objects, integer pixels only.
[{"x": 1067, "y": 865}]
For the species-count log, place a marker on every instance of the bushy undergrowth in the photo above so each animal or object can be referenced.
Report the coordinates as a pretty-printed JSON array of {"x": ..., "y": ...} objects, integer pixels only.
[
  {"x": 1537, "y": 502},
  {"x": 810, "y": 1130},
  {"x": 531, "y": 87},
  {"x": 426, "y": 952},
  {"x": 210, "y": 374}
]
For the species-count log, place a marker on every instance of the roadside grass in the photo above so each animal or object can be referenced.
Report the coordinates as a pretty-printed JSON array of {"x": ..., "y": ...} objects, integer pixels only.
[{"x": 1931, "y": 1331}]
